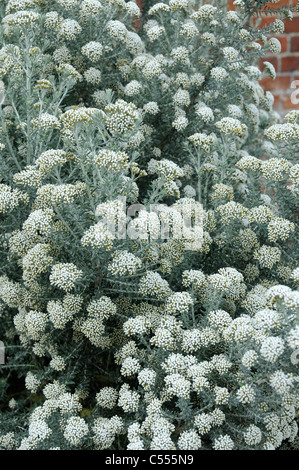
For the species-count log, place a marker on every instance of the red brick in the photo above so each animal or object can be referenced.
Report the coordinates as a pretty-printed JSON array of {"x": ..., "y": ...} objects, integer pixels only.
[
  {"x": 290, "y": 64},
  {"x": 272, "y": 60},
  {"x": 231, "y": 5},
  {"x": 295, "y": 94},
  {"x": 292, "y": 26},
  {"x": 280, "y": 83},
  {"x": 277, "y": 100},
  {"x": 284, "y": 43},
  {"x": 295, "y": 44},
  {"x": 284, "y": 3},
  {"x": 264, "y": 21},
  {"x": 287, "y": 103}
]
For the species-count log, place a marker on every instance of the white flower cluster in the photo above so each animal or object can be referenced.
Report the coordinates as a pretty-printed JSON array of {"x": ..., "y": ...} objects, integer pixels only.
[
  {"x": 75, "y": 430},
  {"x": 178, "y": 302},
  {"x": 137, "y": 325},
  {"x": 128, "y": 400},
  {"x": 194, "y": 278},
  {"x": 166, "y": 168},
  {"x": 205, "y": 12},
  {"x": 48, "y": 159},
  {"x": 35, "y": 323},
  {"x": 124, "y": 263},
  {"x": 117, "y": 30},
  {"x": 46, "y": 121},
  {"x": 10, "y": 198},
  {"x": 121, "y": 116},
  {"x": 93, "y": 50},
  {"x": 57, "y": 363},
  {"x": 248, "y": 162},
  {"x": 203, "y": 141},
  {"x": 153, "y": 284},
  {"x": 105, "y": 431},
  {"x": 154, "y": 31},
  {"x": 158, "y": 7},
  {"x": 98, "y": 236},
  {"x": 180, "y": 333},
  {"x": 219, "y": 74},
  {"x": 280, "y": 228},
  {"x": 268, "y": 256},
  {"x": 107, "y": 397},
  {"x": 64, "y": 275},
  {"x": 93, "y": 75},
  {"x": 222, "y": 191},
  {"x": 82, "y": 114},
  {"x": 274, "y": 45},
  {"x": 89, "y": 8},
  {"x": 61, "y": 312},
  {"x": 102, "y": 308},
  {"x": 283, "y": 132},
  {"x": 36, "y": 261},
  {"x": 112, "y": 161},
  {"x": 69, "y": 71},
  {"x": 69, "y": 29},
  {"x": 231, "y": 126},
  {"x": 189, "y": 29},
  {"x": 204, "y": 112},
  {"x": 272, "y": 348},
  {"x": 39, "y": 221},
  {"x": 151, "y": 108},
  {"x": 30, "y": 176},
  {"x": 20, "y": 18},
  {"x": 32, "y": 383},
  {"x": 232, "y": 211},
  {"x": 133, "y": 88}
]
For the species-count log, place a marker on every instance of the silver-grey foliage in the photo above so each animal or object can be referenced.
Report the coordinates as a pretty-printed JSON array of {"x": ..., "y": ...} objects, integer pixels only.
[{"x": 118, "y": 335}]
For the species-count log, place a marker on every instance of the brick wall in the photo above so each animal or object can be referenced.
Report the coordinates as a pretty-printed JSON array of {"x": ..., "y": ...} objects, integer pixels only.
[{"x": 286, "y": 64}]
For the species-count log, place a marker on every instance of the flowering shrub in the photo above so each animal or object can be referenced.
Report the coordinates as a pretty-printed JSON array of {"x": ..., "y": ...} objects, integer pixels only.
[{"x": 118, "y": 334}]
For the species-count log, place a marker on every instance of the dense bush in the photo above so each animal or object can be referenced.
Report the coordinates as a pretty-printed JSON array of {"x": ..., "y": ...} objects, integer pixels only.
[{"x": 148, "y": 207}]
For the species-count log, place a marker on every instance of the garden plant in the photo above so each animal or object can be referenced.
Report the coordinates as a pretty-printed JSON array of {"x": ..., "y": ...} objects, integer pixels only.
[{"x": 148, "y": 228}]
